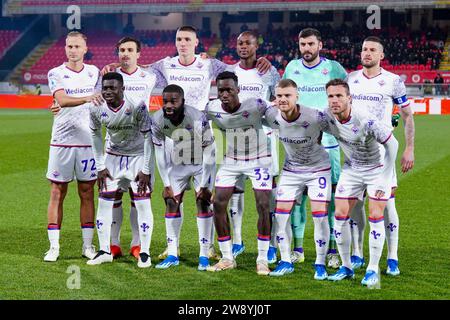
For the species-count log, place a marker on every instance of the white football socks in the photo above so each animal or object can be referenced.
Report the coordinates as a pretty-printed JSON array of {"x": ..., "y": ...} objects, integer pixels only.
[
  {"x": 173, "y": 226},
  {"x": 342, "y": 234},
  {"x": 357, "y": 226},
  {"x": 135, "y": 239},
  {"x": 204, "y": 225},
  {"x": 225, "y": 247},
  {"x": 392, "y": 225},
  {"x": 87, "y": 233},
  {"x": 53, "y": 235},
  {"x": 263, "y": 247},
  {"x": 281, "y": 220},
  {"x": 145, "y": 223},
  {"x": 376, "y": 242},
  {"x": 321, "y": 235},
  {"x": 236, "y": 214},
  {"x": 117, "y": 218},
  {"x": 103, "y": 223}
]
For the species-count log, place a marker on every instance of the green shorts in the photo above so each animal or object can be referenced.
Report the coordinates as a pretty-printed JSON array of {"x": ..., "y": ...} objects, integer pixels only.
[{"x": 332, "y": 147}]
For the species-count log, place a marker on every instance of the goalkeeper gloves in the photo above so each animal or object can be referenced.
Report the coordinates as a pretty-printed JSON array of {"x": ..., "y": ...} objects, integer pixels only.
[{"x": 395, "y": 119}]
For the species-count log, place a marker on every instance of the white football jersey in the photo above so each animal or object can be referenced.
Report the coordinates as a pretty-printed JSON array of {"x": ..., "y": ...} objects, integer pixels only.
[
  {"x": 125, "y": 126},
  {"x": 189, "y": 137},
  {"x": 300, "y": 139},
  {"x": 195, "y": 79},
  {"x": 71, "y": 124},
  {"x": 378, "y": 94},
  {"x": 138, "y": 84},
  {"x": 253, "y": 84},
  {"x": 360, "y": 138},
  {"x": 245, "y": 137}
]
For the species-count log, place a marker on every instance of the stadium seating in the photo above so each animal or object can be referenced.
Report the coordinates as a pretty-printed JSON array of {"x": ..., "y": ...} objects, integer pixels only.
[
  {"x": 131, "y": 2},
  {"x": 102, "y": 49},
  {"x": 404, "y": 50},
  {"x": 6, "y": 38}
]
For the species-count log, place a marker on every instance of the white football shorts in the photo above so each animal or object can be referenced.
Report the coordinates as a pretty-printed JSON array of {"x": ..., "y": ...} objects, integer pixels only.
[
  {"x": 292, "y": 184},
  {"x": 65, "y": 163},
  {"x": 231, "y": 171},
  {"x": 352, "y": 184}
]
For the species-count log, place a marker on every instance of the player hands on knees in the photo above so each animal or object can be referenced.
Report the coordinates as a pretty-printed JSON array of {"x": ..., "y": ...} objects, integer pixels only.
[
  {"x": 124, "y": 163},
  {"x": 193, "y": 162}
]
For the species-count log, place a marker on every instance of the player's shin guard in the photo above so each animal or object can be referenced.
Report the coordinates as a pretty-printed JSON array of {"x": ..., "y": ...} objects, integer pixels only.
[
  {"x": 376, "y": 241},
  {"x": 204, "y": 225},
  {"x": 332, "y": 244},
  {"x": 263, "y": 247},
  {"x": 145, "y": 222},
  {"x": 117, "y": 218},
  {"x": 343, "y": 239},
  {"x": 103, "y": 222},
  {"x": 321, "y": 235},
  {"x": 181, "y": 209},
  {"x": 87, "y": 231},
  {"x": 298, "y": 221},
  {"x": 225, "y": 247},
  {"x": 236, "y": 214},
  {"x": 391, "y": 224},
  {"x": 173, "y": 226},
  {"x": 135, "y": 239},
  {"x": 213, "y": 228},
  {"x": 358, "y": 225},
  {"x": 281, "y": 220},
  {"x": 273, "y": 230}
]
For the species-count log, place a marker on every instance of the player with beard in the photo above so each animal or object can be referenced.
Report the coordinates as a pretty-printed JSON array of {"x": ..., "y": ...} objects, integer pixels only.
[
  {"x": 311, "y": 73},
  {"x": 376, "y": 90},
  {"x": 192, "y": 159},
  {"x": 369, "y": 151}
]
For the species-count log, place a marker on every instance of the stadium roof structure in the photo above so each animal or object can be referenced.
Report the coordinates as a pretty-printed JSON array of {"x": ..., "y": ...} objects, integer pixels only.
[{"x": 19, "y": 7}]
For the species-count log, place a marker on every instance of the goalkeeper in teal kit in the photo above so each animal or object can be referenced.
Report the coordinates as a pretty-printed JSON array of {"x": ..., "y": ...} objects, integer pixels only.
[{"x": 311, "y": 73}]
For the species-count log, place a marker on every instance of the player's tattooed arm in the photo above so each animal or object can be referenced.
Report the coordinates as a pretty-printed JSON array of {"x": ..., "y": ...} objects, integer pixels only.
[{"x": 407, "y": 160}]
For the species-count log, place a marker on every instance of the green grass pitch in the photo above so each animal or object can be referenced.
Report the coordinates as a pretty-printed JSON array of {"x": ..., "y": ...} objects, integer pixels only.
[{"x": 423, "y": 202}]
